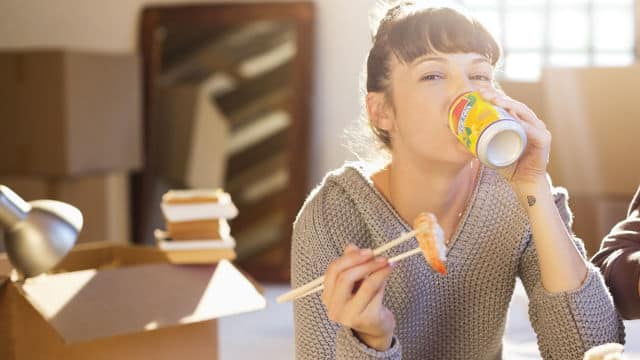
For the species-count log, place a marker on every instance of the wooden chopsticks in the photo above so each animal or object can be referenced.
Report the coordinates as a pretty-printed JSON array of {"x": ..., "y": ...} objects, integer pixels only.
[{"x": 317, "y": 284}]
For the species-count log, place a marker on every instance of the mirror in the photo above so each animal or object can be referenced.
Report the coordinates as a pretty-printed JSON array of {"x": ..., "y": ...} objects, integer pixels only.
[{"x": 227, "y": 92}]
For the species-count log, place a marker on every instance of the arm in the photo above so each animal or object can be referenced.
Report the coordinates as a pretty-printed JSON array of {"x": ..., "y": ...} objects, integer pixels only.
[
  {"x": 570, "y": 322},
  {"x": 322, "y": 229},
  {"x": 562, "y": 266},
  {"x": 569, "y": 305},
  {"x": 619, "y": 261}
]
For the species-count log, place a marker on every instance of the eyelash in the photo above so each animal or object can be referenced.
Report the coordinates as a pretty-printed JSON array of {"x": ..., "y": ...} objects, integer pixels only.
[
  {"x": 426, "y": 77},
  {"x": 480, "y": 78}
]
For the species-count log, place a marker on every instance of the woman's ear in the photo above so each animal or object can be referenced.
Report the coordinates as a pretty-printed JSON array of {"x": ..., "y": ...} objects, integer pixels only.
[{"x": 379, "y": 111}]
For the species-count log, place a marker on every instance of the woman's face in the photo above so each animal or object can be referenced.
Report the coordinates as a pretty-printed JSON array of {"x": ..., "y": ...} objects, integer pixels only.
[{"x": 422, "y": 92}]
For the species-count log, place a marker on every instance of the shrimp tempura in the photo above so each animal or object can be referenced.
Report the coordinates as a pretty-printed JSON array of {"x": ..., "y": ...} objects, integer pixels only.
[{"x": 431, "y": 240}]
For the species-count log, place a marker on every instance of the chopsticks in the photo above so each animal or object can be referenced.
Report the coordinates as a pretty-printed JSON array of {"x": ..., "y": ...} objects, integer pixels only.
[
  {"x": 317, "y": 284},
  {"x": 391, "y": 261}
]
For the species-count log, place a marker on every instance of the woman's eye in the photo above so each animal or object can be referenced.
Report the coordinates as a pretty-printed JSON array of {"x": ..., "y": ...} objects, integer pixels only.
[
  {"x": 480, "y": 78},
  {"x": 431, "y": 77}
]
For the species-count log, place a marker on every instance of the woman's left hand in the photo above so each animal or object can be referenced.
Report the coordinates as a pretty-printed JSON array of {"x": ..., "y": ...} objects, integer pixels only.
[{"x": 531, "y": 168}]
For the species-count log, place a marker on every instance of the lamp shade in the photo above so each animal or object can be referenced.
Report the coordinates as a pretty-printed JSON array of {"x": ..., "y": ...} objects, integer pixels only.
[{"x": 37, "y": 234}]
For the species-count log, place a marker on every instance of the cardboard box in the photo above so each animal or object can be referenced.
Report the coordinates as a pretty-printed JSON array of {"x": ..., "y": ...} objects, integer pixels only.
[
  {"x": 593, "y": 115},
  {"x": 102, "y": 199},
  {"x": 529, "y": 93},
  {"x": 594, "y": 216},
  {"x": 119, "y": 302},
  {"x": 68, "y": 113}
]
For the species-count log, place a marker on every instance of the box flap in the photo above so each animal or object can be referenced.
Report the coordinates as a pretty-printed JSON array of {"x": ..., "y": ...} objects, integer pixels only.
[
  {"x": 90, "y": 304},
  {"x": 104, "y": 255}
]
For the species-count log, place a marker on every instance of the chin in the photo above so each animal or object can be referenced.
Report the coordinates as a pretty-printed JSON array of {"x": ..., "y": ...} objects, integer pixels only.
[
  {"x": 459, "y": 153},
  {"x": 460, "y": 157},
  {"x": 450, "y": 157}
]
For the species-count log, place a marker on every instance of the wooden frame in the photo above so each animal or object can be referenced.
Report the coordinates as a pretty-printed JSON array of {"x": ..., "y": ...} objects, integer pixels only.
[{"x": 273, "y": 266}]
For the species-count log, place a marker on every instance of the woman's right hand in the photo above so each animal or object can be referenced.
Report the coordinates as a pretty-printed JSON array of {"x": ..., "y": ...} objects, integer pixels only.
[{"x": 353, "y": 291}]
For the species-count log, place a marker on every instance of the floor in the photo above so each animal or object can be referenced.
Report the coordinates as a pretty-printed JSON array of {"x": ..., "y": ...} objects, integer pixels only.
[{"x": 268, "y": 334}]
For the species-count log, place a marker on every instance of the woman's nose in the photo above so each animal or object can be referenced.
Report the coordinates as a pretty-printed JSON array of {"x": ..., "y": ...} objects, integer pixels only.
[{"x": 462, "y": 85}]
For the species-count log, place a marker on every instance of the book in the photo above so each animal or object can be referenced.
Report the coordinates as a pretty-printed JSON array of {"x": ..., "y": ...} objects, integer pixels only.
[
  {"x": 196, "y": 251},
  {"x": 197, "y": 204},
  {"x": 198, "y": 229},
  {"x": 166, "y": 243},
  {"x": 191, "y": 196}
]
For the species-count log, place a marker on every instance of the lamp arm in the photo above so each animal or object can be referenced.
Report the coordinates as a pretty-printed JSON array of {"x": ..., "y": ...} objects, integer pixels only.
[{"x": 13, "y": 208}]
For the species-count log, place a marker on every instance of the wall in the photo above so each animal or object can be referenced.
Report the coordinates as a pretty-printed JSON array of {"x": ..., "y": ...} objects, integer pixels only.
[{"x": 112, "y": 26}]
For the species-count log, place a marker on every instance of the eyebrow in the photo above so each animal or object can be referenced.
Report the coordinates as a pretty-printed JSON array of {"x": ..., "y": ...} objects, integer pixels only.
[{"x": 479, "y": 60}]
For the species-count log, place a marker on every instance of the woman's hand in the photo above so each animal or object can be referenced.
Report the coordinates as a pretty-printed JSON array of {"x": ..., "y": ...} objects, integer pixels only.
[
  {"x": 562, "y": 266},
  {"x": 353, "y": 291},
  {"x": 531, "y": 168}
]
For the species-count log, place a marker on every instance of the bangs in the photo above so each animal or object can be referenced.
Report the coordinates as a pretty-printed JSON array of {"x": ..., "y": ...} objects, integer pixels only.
[{"x": 443, "y": 30}]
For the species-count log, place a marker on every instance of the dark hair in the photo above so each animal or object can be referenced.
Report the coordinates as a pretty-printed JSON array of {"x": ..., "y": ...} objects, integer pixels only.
[{"x": 409, "y": 31}]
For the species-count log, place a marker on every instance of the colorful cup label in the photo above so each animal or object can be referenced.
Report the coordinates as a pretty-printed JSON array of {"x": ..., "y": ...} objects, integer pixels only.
[{"x": 470, "y": 115}]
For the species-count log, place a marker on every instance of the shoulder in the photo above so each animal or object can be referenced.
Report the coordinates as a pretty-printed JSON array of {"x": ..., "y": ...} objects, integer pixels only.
[
  {"x": 329, "y": 219},
  {"x": 339, "y": 208},
  {"x": 341, "y": 190},
  {"x": 332, "y": 192},
  {"x": 561, "y": 199}
]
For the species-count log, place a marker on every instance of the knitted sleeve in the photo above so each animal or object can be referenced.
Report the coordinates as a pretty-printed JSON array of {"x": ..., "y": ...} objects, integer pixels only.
[
  {"x": 619, "y": 261},
  {"x": 327, "y": 222},
  {"x": 568, "y": 323}
]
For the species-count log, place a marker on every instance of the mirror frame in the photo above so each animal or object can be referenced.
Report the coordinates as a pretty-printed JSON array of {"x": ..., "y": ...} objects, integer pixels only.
[{"x": 301, "y": 15}]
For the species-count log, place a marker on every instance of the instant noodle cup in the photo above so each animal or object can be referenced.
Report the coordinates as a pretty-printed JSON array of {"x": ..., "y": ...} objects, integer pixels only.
[{"x": 489, "y": 132}]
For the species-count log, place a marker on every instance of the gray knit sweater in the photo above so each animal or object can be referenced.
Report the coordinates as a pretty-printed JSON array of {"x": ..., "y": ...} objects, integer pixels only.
[{"x": 457, "y": 316}]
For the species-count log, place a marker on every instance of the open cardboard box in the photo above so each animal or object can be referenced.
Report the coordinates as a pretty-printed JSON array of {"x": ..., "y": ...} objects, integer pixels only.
[
  {"x": 593, "y": 116},
  {"x": 107, "y": 301}
]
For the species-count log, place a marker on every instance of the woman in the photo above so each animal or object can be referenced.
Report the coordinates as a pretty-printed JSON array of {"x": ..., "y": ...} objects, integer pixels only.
[
  {"x": 619, "y": 261},
  {"x": 497, "y": 225}
]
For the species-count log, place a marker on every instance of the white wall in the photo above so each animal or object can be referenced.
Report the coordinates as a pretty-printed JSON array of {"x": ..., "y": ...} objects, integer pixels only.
[{"x": 342, "y": 41}]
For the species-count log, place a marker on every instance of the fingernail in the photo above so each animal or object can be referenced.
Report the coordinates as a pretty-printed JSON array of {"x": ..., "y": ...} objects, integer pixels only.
[
  {"x": 381, "y": 260},
  {"x": 365, "y": 252}
]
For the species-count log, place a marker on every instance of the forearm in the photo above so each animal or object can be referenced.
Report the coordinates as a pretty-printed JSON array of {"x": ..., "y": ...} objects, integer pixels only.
[{"x": 562, "y": 267}]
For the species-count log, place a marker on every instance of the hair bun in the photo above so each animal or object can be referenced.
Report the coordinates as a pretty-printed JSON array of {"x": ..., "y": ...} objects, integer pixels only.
[
  {"x": 381, "y": 9},
  {"x": 378, "y": 12}
]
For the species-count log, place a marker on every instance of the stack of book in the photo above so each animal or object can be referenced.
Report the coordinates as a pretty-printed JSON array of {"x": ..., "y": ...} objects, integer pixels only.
[{"x": 196, "y": 224}]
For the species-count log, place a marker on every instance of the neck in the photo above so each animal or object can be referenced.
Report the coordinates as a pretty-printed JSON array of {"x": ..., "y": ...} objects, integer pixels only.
[{"x": 439, "y": 188}]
